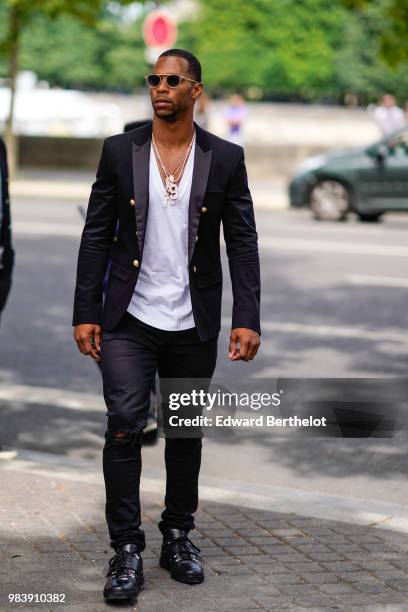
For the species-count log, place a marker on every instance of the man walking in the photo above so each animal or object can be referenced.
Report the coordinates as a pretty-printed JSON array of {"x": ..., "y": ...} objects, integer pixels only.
[{"x": 170, "y": 184}]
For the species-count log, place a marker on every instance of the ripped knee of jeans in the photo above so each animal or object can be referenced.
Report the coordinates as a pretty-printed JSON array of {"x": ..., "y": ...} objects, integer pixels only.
[{"x": 124, "y": 436}]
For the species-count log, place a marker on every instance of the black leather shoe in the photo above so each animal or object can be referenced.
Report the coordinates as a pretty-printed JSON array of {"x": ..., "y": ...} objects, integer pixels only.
[
  {"x": 180, "y": 556},
  {"x": 125, "y": 573}
]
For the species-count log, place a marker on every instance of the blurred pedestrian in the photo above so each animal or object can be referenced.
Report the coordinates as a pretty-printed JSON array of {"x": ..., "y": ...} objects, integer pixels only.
[
  {"x": 388, "y": 115},
  {"x": 235, "y": 114},
  {"x": 406, "y": 112},
  {"x": 6, "y": 254}
]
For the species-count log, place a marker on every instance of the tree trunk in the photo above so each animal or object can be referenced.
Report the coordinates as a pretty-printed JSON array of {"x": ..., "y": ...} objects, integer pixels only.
[{"x": 14, "y": 48}]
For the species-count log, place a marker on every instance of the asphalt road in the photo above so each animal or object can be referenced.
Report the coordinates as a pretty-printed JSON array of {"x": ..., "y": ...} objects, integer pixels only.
[{"x": 334, "y": 304}]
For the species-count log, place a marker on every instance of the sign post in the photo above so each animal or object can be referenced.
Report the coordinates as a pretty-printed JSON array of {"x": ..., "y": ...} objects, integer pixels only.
[{"x": 160, "y": 33}]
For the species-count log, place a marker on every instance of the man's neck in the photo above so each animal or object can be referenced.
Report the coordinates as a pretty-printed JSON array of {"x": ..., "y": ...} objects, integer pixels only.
[{"x": 173, "y": 134}]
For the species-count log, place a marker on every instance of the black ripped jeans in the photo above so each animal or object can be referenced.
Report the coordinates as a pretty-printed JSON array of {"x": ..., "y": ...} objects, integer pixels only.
[{"x": 131, "y": 355}]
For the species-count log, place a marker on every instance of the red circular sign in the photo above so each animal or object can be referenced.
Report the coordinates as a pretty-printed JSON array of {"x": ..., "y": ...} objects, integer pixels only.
[{"x": 159, "y": 30}]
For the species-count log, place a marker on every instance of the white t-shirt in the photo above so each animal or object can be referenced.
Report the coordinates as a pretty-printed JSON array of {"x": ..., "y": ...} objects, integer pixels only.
[
  {"x": 162, "y": 293},
  {"x": 389, "y": 119}
]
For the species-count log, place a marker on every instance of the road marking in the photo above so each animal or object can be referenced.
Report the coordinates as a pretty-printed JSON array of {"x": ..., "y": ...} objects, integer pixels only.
[
  {"x": 74, "y": 400},
  {"x": 35, "y": 228},
  {"x": 334, "y": 331},
  {"x": 41, "y": 228},
  {"x": 339, "y": 229},
  {"x": 378, "y": 281},
  {"x": 66, "y": 190},
  {"x": 326, "y": 246}
]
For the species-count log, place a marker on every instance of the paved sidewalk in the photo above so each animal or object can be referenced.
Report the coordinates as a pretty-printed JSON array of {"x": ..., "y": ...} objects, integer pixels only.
[{"x": 53, "y": 540}]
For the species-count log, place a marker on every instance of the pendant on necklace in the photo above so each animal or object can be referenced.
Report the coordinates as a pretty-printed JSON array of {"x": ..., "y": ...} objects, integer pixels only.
[{"x": 171, "y": 188}]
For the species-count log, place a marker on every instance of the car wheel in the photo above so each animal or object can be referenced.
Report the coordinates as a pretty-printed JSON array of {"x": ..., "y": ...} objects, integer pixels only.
[
  {"x": 369, "y": 217},
  {"x": 329, "y": 201}
]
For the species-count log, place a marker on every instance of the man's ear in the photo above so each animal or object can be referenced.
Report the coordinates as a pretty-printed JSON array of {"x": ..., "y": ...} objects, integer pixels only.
[{"x": 197, "y": 91}]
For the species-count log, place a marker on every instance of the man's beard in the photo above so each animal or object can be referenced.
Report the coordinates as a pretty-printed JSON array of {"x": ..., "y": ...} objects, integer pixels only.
[{"x": 173, "y": 116}]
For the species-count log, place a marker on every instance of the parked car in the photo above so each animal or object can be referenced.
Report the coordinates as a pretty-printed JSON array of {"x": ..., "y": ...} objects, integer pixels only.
[{"x": 368, "y": 181}]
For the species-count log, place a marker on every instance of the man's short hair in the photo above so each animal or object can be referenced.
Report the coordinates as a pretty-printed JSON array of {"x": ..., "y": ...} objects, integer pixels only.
[{"x": 194, "y": 66}]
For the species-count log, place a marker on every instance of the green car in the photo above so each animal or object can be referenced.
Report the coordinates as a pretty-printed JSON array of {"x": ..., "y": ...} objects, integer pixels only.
[{"x": 367, "y": 181}]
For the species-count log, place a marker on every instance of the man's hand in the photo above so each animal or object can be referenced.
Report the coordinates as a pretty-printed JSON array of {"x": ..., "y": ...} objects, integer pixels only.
[
  {"x": 248, "y": 341},
  {"x": 88, "y": 339}
]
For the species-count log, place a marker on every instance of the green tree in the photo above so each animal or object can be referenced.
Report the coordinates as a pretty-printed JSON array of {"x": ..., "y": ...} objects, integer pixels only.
[
  {"x": 108, "y": 55},
  {"x": 19, "y": 14},
  {"x": 394, "y": 33},
  {"x": 360, "y": 64},
  {"x": 284, "y": 47}
]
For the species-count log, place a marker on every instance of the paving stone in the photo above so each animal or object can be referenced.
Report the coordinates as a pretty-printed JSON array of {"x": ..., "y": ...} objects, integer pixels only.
[
  {"x": 265, "y": 540},
  {"x": 270, "y": 570},
  {"x": 242, "y": 551},
  {"x": 252, "y": 531},
  {"x": 232, "y": 541},
  {"x": 308, "y": 548},
  {"x": 401, "y": 564},
  {"x": 357, "y": 577},
  {"x": 284, "y": 579},
  {"x": 371, "y": 587},
  {"x": 387, "y": 575},
  {"x": 291, "y": 558},
  {"x": 233, "y": 570},
  {"x": 324, "y": 556},
  {"x": 338, "y": 587},
  {"x": 351, "y": 599},
  {"x": 320, "y": 578},
  {"x": 248, "y": 580},
  {"x": 344, "y": 566},
  {"x": 274, "y": 602},
  {"x": 389, "y": 556},
  {"x": 389, "y": 597},
  {"x": 297, "y": 590},
  {"x": 307, "y": 566},
  {"x": 401, "y": 585},
  {"x": 312, "y": 601}
]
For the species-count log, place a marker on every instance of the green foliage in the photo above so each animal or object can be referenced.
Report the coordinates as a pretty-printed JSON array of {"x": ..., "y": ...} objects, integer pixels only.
[
  {"x": 285, "y": 47},
  {"x": 361, "y": 65},
  {"x": 76, "y": 43},
  {"x": 67, "y": 53},
  {"x": 309, "y": 49},
  {"x": 393, "y": 39},
  {"x": 85, "y": 10},
  {"x": 291, "y": 49}
]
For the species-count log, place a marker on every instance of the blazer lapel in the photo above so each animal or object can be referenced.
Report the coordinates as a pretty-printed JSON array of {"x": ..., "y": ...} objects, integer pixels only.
[
  {"x": 140, "y": 162},
  {"x": 201, "y": 171}
]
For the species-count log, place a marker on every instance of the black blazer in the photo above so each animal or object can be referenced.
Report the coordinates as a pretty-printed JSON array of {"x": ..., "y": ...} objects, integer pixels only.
[
  {"x": 219, "y": 192},
  {"x": 7, "y": 260}
]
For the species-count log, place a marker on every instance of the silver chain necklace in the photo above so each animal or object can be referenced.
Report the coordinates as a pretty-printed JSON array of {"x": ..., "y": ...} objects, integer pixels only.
[{"x": 171, "y": 186}]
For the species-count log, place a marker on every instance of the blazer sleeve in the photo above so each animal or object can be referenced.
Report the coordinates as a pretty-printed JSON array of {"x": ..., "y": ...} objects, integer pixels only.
[
  {"x": 96, "y": 243},
  {"x": 241, "y": 241}
]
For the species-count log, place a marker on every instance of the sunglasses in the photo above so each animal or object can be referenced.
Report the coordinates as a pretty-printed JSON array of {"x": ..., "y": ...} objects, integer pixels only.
[{"x": 172, "y": 80}]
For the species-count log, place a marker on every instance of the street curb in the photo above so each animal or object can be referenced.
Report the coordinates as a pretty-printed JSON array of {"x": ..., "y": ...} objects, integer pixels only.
[{"x": 277, "y": 499}]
